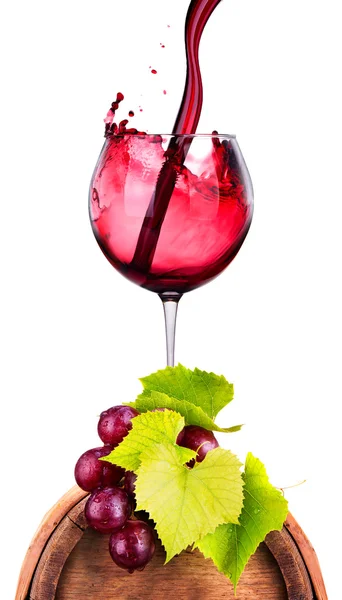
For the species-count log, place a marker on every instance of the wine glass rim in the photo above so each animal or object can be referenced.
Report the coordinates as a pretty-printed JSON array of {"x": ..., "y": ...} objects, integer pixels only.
[{"x": 178, "y": 135}]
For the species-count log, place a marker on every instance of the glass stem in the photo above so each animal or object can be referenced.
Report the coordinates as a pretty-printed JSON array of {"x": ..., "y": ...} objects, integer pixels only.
[{"x": 170, "y": 303}]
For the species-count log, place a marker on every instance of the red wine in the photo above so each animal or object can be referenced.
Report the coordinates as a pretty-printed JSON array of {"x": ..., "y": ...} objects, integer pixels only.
[
  {"x": 111, "y": 127},
  {"x": 191, "y": 106},
  {"x": 186, "y": 122},
  {"x": 206, "y": 221},
  {"x": 162, "y": 224}
]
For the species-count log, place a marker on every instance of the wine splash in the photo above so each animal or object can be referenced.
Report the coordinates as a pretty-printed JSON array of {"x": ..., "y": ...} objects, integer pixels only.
[
  {"x": 207, "y": 218},
  {"x": 111, "y": 127}
]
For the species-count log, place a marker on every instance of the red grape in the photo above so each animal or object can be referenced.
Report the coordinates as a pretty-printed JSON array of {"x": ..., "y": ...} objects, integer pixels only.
[
  {"x": 107, "y": 509},
  {"x": 133, "y": 546},
  {"x": 115, "y": 423},
  {"x": 193, "y": 437},
  {"x": 91, "y": 473}
]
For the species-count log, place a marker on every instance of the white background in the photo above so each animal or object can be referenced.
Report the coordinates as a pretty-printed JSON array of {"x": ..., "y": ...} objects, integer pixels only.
[{"x": 76, "y": 336}]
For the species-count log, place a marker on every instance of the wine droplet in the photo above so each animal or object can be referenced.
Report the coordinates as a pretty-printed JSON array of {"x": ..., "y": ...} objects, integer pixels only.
[{"x": 131, "y": 113}]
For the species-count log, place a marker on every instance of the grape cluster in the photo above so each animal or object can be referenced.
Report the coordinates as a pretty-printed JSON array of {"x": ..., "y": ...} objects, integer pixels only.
[{"x": 111, "y": 503}]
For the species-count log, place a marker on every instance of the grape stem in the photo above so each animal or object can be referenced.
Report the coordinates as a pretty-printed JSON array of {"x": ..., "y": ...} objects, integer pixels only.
[{"x": 289, "y": 487}]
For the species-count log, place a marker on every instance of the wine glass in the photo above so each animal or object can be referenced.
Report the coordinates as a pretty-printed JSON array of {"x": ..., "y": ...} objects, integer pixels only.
[{"x": 170, "y": 212}]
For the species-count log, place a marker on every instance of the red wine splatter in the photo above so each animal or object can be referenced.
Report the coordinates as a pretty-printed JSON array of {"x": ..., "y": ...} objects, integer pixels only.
[
  {"x": 111, "y": 127},
  {"x": 162, "y": 45},
  {"x": 154, "y": 72},
  {"x": 164, "y": 92}
]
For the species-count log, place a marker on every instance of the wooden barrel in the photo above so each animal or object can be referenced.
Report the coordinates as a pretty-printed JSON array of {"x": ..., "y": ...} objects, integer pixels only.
[{"x": 68, "y": 561}]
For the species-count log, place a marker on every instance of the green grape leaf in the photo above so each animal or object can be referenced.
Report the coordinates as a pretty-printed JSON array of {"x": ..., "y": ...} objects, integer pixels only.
[
  {"x": 186, "y": 504},
  {"x": 264, "y": 510},
  {"x": 208, "y": 391},
  {"x": 193, "y": 415},
  {"x": 149, "y": 429}
]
